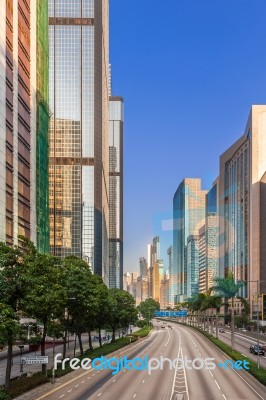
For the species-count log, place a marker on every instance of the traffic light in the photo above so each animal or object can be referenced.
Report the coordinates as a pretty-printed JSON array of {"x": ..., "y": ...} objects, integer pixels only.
[{"x": 263, "y": 307}]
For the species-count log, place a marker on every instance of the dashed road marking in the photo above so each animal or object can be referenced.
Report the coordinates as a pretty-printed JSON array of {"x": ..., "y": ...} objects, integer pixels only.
[
  {"x": 69, "y": 390},
  {"x": 217, "y": 384}
]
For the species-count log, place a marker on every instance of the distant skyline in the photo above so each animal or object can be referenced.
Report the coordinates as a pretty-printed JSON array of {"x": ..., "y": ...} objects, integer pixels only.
[{"x": 189, "y": 73}]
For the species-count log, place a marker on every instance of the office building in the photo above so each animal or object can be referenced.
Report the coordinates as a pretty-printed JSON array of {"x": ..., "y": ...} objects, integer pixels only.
[
  {"x": 188, "y": 216},
  {"x": 192, "y": 265},
  {"x": 79, "y": 131},
  {"x": 211, "y": 232},
  {"x": 172, "y": 278},
  {"x": 143, "y": 266},
  {"x": 158, "y": 274},
  {"x": 203, "y": 272},
  {"x": 24, "y": 122},
  {"x": 242, "y": 223},
  {"x": 126, "y": 281},
  {"x": 115, "y": 267},
  {"x": 164, "y": 292}
]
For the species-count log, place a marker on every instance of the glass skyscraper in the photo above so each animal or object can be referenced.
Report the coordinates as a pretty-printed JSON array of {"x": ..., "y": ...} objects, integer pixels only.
[
  {"x": 189, "y": 216},
  {"x": 116, "y": 121},
  {"x": 79, "y": 143}
]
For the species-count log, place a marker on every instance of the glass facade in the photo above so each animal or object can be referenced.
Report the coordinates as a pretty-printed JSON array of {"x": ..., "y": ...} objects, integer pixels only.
[
  {"x": 79, "y": 211},
  {"x": 116, "y": 118},
  {"x": 212, "y": 249},
  {"x": 192, "y": 265},
  {"x": 188, "y": 216},
  {"x": 237, "y": 213}
]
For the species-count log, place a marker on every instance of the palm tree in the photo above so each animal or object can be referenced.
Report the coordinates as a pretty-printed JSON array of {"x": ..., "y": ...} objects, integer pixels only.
[
  {"x": 213, "y": 302},
  {"x": 228, "y": 288}
]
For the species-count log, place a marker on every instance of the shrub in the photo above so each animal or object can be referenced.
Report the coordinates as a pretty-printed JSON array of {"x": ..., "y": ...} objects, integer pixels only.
[
  {"x": 22, "y": 385},
  {"x": 4, "y": 395}
]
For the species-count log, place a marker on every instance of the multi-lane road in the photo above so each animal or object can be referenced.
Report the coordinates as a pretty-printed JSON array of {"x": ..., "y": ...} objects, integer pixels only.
[{"x": 178, "y": 383}]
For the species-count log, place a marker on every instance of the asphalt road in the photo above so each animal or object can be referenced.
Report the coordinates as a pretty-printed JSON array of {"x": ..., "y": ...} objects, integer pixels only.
[
  {"x": 242, "y": 344},
  {"x": 178, "y": 383}
]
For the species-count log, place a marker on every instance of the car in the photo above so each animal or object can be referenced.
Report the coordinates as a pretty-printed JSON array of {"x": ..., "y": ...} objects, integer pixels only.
[
  {"x": 163, "y": 326},
  {"x": 221, "y": 330},
  {"x": 264, "y": 347},
  {"x": 170, "y": 326},
  {"x": 243, "y": 329},
  {"x": 257, "y": 350}
]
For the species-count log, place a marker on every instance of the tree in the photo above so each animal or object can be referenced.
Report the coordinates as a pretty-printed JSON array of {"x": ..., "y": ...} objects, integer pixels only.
[
  {"x": 147, "y": 308},
  {"x": 9, "y": 329},
  {"x": 81, "y": 288},
  {"x": 122, "y": 310},
  {"x": 214, "y": 302},
  {"x": 228, "y": 288},
  {"x": 11, "y": 294},
  {"x": 45, "y": 294}
]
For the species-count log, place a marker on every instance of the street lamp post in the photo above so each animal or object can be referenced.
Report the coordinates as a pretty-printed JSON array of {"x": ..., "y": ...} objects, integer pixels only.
[{"x": 21, "y": 351}]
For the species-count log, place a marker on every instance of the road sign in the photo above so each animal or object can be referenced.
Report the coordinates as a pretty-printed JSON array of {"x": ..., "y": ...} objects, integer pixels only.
[
  {"x": 34, "y": 360},
  {"x": 170, "y": 313}
]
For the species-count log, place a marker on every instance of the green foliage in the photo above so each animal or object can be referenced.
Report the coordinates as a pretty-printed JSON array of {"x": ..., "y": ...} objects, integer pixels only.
[
  {"x": 148, "y": 307},
  {"x": 9, "y": 325},
  {"x": 142, "y": 332},
  {"x": 227, "y": 287},
  {"x": 122, "y": 309},
  {"x": 142, "y": 322},
  {"x": 24, "y": 384},
  {"x": 4, "y": 395}
]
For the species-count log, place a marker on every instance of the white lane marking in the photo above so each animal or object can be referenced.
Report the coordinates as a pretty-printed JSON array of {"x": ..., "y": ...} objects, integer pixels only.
[
  {"x": 143, "y": 381},
  {"x": 210, "y": 373},
  {"x": 134, "y": 395},
  {"x": 99, "y": 394},
  {"x": 82, "y": 381},
  {"x": 224, "y": 397},
  {"x": 69, "y": 391},
  {"x": 93, "y": 374},
  {"x": 61, "y": 396},
  {"x": 217, "y": 384},
  {"x": 76, "y": 385},
  {"x": 89, "y": 377},
  {"x": 167, "y": 339},
  {"x": 234, "y": 371}
]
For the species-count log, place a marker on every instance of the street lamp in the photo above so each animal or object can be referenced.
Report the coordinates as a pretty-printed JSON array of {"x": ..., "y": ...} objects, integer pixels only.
[{"x": 21, "y": 351}]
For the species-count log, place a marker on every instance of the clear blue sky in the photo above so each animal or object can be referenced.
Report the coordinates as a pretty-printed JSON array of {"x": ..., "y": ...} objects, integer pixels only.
[{"x": 188, "y": 71}]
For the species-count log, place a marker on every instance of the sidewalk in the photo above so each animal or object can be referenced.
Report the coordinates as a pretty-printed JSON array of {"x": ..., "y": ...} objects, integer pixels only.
[{"x": 30, "y": 369}]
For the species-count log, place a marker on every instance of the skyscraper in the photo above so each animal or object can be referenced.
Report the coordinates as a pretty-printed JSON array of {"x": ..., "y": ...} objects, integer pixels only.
[
  {"x": 79, "y": 142},
  {"x": 189, "y": 216},
  {"x": 23, "y": 122},
  {"x": 242, "y": 195},
  {"x": 116, "y": 118}
]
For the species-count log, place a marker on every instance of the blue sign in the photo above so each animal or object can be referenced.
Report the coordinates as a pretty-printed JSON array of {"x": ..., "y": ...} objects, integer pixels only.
[{"x": 170, "y": 313}]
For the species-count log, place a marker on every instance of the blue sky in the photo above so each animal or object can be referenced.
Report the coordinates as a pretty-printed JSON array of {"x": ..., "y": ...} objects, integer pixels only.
[{"x": 188, "y": 71}]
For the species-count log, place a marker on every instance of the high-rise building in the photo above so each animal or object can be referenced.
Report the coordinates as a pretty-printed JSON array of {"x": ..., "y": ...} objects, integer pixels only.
[
  {"x": 242, "y": 223},
  {"x": 189, "y": 216},
  {"x": 158, "y": 274},
  {"x": 164, "y": 292},
  {"x": 24, "y": 122},
  {"x": 126, "y": 281},
  {"x": 212, "y": 245},
  {"x": 115, "y": 267},
  {"x": 171, "y": 276},
  {"x": 79, "y": 129},
  {"x": 192, "y": 265},
  {"x": 143, "y": 266},
  {"x": 141, "y": 289},
  {"x": 203, "y": 272}
]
